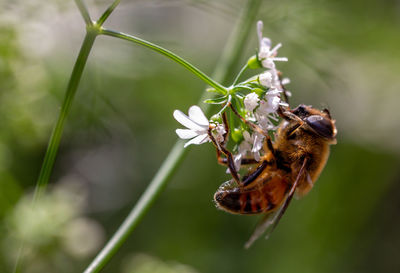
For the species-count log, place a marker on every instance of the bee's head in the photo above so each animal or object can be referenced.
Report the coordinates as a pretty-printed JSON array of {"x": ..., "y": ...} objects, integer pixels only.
[{"x": 319, "y": 122}]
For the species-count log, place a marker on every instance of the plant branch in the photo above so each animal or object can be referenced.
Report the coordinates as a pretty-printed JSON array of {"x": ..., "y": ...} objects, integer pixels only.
[
  {"x": 175, "y": 157},
  {"x": 55, "y": 137},
  {"x": 244, "y": 68},
  {"x": 84, "y": 12},
  {"x": 168, "y": 54},
  {"x": 107, "y": 13}
]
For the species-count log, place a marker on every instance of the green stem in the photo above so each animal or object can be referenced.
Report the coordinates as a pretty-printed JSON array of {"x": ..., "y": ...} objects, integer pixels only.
[
  {"x": 244, "y": 68},
  {"x": 236, "y": 43},
  {"x": 84, "y": 12},
  {"x": 168, "y": 54},
  {"x": 154, "y": 189},
  {"x": 55, "y": 137},
  {"x": 175, "y": 157},
  {"x": 107, "y": 13}
]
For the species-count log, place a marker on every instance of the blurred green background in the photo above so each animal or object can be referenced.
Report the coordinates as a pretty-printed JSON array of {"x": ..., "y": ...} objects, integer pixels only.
[{"x": 342, "y": 54}]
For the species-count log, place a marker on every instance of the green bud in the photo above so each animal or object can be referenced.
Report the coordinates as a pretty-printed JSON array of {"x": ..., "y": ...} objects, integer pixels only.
[
  {"x": 237, "y": 135},
  {"x": 254, "y": 62}
]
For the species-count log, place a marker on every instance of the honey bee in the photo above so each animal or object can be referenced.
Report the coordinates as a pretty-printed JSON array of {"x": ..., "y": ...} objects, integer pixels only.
[{"x": 290, "y": 166}]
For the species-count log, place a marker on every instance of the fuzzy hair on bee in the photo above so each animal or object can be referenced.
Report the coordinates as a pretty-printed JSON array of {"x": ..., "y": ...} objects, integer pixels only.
[{"x": 290, "y": 166}]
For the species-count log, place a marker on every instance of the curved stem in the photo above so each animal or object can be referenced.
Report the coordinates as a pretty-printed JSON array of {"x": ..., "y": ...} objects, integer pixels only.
[
  {"x": 244, "y": 68},
  {"x": 107, "y": 13},
  {"x": 154, "y": 189},
  {"x": 55, "y": 137},
  {"x": 171, "y": 163},
  {"x": 168, "y": 54}
]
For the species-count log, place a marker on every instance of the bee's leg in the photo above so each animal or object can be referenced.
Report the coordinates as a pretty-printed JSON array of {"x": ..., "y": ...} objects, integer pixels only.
[
  {"x": 229, "y": 157},
  {"x": 285, "y": 92},
  {"x": 224, "y": 160},
  {"x": 226, "y": 126},
  {"x": 253, "y": 176},
  {"x": 289, "y": 116},
  {"x": 257, "y": 129},
  {"x": 252, "y": 125},
  {"x": 244, "y": 161}
]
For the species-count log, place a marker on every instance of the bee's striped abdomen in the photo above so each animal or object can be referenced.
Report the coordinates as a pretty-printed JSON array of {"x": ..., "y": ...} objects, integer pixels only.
[{"x": 256, "y": 200}]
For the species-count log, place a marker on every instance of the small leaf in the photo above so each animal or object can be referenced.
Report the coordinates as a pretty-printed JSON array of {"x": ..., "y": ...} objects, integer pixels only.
[
  {"x": 213, "y": 90},
  {"x": 219, "y": 100}
]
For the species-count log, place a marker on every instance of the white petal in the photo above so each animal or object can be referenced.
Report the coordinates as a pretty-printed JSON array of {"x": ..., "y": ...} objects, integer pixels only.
[
  {"x": 251, "y": 101},
  {"x": 265, "y": 45},
  {"x": 197, "y": 115},
  {"x": 197, "y": 140},
  {"x": 185, "y": 133},
  {"x": 186, "y": 121},
  {"x": 260, "y": 26},
  {"x": 265, "y": 79},
  {"x": 285, "y": 81},
  {"x": 257, "y": 156},
  {"x": 237, "y": 160},
  {"x": 273, "y": 51},
  {"x": 280, "y": 59},
  {"x": 246, "y": 136},
  {"x": 258, "y": 138}
]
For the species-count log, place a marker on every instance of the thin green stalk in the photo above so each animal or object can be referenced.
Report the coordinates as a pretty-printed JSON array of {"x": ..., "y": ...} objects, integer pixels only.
[
  {"x": 175, "y": 157},
  {"x": 55, "y": 137},
  {"x": 236, "y": 43},
  {"x": 166, "y": 53},
  {"x": 107, "y": 13},
  {"x": 244, "y": 68},
  {"x": 84, "y": 12}
]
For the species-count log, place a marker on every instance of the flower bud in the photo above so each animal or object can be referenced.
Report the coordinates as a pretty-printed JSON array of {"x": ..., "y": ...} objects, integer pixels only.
[
  {"x": 254, "y": 62},
  {"x": 237, "y": 135}
]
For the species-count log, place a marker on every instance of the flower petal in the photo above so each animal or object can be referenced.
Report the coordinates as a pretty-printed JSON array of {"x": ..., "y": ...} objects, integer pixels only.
[
  {"x": 247, "y": 136},
  {"x": 258, "y": 142},
  {"x": 197, "y": 115},
  {"x": 197, "y": 140},
  {"x": 260, "y": 26},
  {"x": 186, "y": 121},
  {"x": 275, "y": 49},
  {"x": 185, "y": 133}
]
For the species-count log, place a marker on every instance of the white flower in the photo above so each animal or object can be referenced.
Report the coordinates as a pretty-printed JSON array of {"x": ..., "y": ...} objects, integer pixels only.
[
  {"x": 266, "y": 54},
  {"x": 197, "y": 125},
  {"x": 250, "y": 144},
  {"x": 219, "y": 132},
  {"x": 266, "y": 79},
  {"x": 270, "y": 103},
  {"x": 251, "y": 101},
  {"x": 265, "y": 123}
]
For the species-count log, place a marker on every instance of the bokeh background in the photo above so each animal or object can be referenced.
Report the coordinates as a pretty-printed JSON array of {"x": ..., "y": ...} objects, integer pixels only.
[{"x": 342, "y": 54}]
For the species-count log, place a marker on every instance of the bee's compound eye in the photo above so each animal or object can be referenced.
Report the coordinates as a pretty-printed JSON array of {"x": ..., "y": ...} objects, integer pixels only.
[{"x": 321, "y": 125}]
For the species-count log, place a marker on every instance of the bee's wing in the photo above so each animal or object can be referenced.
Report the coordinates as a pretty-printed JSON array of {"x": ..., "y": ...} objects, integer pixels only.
[
  {"x": 266, "y": 221},
  {"x": 271, "y": 220}
]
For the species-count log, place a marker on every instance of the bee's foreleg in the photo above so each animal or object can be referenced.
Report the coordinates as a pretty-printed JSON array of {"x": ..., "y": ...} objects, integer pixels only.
[
  {"x": 229, "y": 157},
  {"x": 226, "y": 126},
  {"x": 244, "y": 161}
]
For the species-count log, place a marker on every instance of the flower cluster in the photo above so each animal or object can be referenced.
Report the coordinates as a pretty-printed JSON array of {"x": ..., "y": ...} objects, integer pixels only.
[{"x": 255, "y": 100}]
